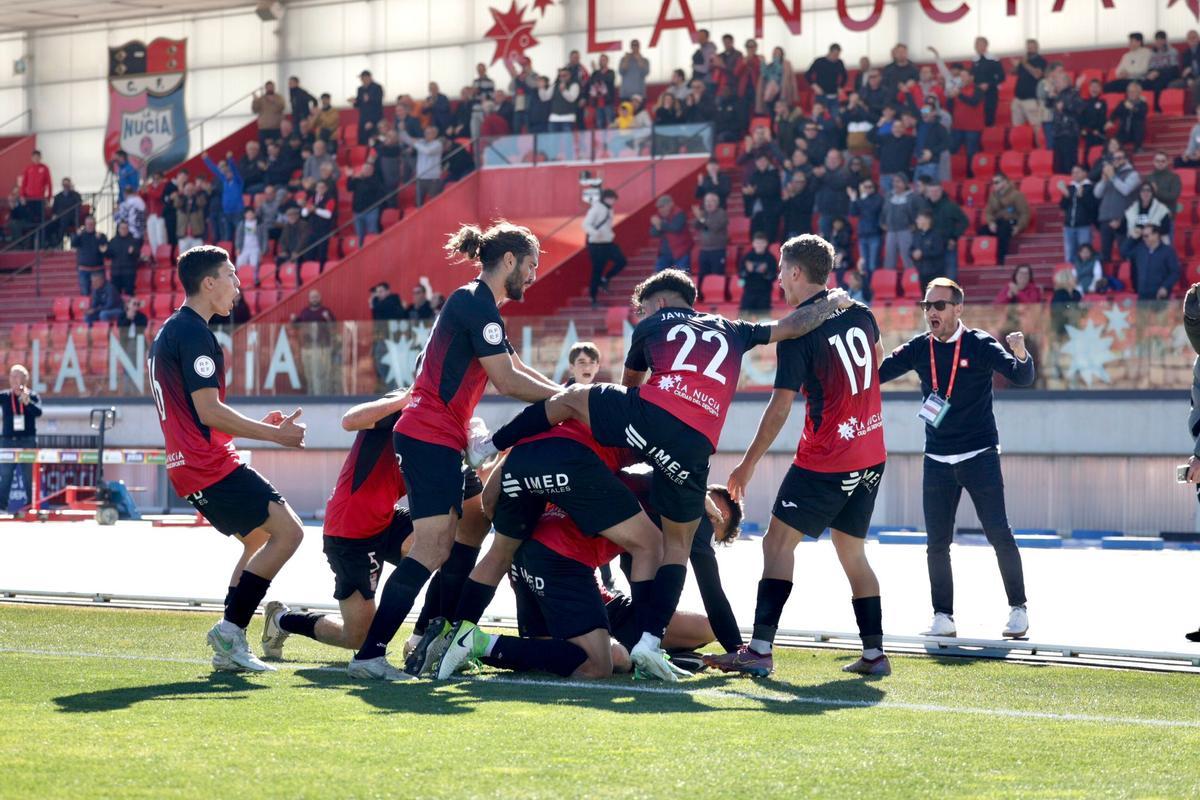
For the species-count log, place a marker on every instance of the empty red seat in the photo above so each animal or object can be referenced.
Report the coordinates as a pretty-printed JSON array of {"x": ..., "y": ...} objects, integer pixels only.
[
  {"x": 61, "y": 310},
  {"x": 975, "y": 192},
  {"x": 727, "y": 153},
  {"x": 910, "y": 284},
  {"x": 614, "y": 320},
  {"x": 97, "y": 361},
  {"x": 160, "y": 305},
  {"x": 162, "y": 255},
  {"x": 1012, "y": 164},
  {"x": 59, "y": 333},
  {"x": 267, "y": 276},
  {"x": 18, "y": 335},
  {"x": 1092, "y": 74},
  {"x": 1021, "y": 138},
  {"x": 251, "y": 298},
  {"x": 1171, "y": 101},
  {"x": 143, "y": 281},
  {"x": 349, "y": 244},
  {"x": 712, "y": 288},
  {"x": 245, "y": 275},
  {"x": 958, "y": 166},
  {"x": 983, "y": 165},
  {"x": 992, "y": 139},
  {"x": 227, "y": 247},
  {"x": 739, "y": 229},
  {"x": 735, "y": 290},
  {"x": 1034, "y": 189},
  {"x": 1041, "y": 163},
  {"x": 289, "y": 276},
  {"x": 884, "y": 284},
  {"x": 357, "y": 156},
  {"x": 309, "y": 271},
  {"x": 163, "y": 281},
  {"x": 389, "y": 217},
  {"x": 1095, "y": 153},
  {"x": 1187, "y": 180},
  {"x": 983, "y": 250},
  {"x": 1112, "y": 100},
  {"x": 80, "y": 306},
  {"x": 369, "y": 238}
]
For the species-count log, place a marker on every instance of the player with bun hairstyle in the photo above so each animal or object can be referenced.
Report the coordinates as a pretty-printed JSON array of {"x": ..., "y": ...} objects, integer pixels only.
[{"x": 467, "y": 347}]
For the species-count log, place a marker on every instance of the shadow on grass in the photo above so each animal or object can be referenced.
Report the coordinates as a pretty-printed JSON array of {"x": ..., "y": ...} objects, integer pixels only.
[{"x": 229, "y": 685}]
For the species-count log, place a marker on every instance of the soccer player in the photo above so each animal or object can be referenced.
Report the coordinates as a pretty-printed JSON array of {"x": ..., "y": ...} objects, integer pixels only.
[
  {"x": 467, "y": 347},
  {"x": 834, "y": 479},
  {"x": 674, "y": 421},
  {"x": 187, "y": 379}
]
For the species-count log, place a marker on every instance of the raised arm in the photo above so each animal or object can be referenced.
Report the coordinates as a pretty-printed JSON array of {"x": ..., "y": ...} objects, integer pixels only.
[
  {"x": 367, "y": 415},
  {"x": 809, "y": 318},
  {"x": 773, "y": 417}
]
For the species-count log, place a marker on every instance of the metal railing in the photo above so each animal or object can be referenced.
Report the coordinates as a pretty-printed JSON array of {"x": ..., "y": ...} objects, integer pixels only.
[
  {"x": 26, "y": 113},
  {"x": 600, "y": 145}
]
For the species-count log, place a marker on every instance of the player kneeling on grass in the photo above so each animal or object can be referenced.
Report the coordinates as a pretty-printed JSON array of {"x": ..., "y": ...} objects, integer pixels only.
[{"x": 834, "y": 479}]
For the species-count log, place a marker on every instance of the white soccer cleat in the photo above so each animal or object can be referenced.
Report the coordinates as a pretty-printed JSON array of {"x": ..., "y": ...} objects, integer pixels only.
[
  {"x": 375, "y": 669},
  {"x": 653, "y": 662},
  {"x": 273, "y": 636},
  {"x": 1018, "y": 623},
  {"x": 943, "y": 625},
  {"x": 479, "y": 443},
  {"x": 231, "y": 652}
]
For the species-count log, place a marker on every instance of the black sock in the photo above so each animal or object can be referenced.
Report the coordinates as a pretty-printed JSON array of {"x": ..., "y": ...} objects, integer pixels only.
[
  {"x": 668, "y": 585},
  {"x": 473, "y": 600},
  {"x": 302, "y": 623},
  {"x": 454, "y": 574},
  {"x": 772, "y": 596},
  {"x": 229, "y": 595},
  {"x": 545, "y": 655},
  {"x": 530, "y": 422},
  {"x": 432, "y": 606},
  {"x": 642, "y": 595},
  {"x": 245, "y": 597},
  {"x": 869, "y": 614},
  {"x": 396, "y": 600}
]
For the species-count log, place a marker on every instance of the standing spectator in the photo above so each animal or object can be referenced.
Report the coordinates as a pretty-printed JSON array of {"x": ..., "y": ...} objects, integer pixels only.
[
  {"x": 230, "y": 185},
  {"x": 703, "y": 58},
  {"x": 368, "y": 193},
  {"x": 1079, "y": 211},
  {"x": 125, "y": 252},
  {"x": 437, "y": 106},
  {"x": 368, "y": 99},
  {"x": 970, "y": 113},
  {"x": 713, "y": 181},
  {"x": 316, "y": 344},
  {"x": 1005, "y": 215},
  {"x": 191, "y": 207},
  {"x": 895, "y": 151},
  {"x": 523, "y": 88},
  {"x": 312, "y": 164},
  {"x": 106, "y": 304},
  {"x": 867, "y": 205},
  {"x": 678, "y": 86},
  {"x": 827, "y": 75},
  {"x": 303, "y": 103},
  {"x": 602, "y": 92},
  {"x": 601, "y": 243},
  {"x": 539, "y": 106},
  {"x": 928, "y": 250},
  {"x": 422, "y": 309},
  {"x": 830, "y": 198},
  {"x": 765, "y": 197},
  {"x": 133, "y": 211},
  {"x": 933, "y": 139},
  {"x": 20, "y": 219},
  {"x": 1167, "y": 184},
  {"x": 712, "y": 229},
  {"x": 1021, "y": 288},
  {"x": 1115, "y": 191},
  {"x": 429, "y": 164},
  {"x": 65, "y": 210},
  {"x": 1163, "y": 69},
  {"x": 1026, "y": 110},
  {"x": 385, "y": 304},
  {"x": 1147, "y": 210},
  {"x": 699, "y": 106},
  {"x": 319, "y": 214},
  {"x": 250, "y": 242},
  {"x": 20, "y": 408},
  {"x": 1133, "y": 66},
  {"x": 89, "y": 247},
  {"x": 874, "y": 96},
  {"x": 562, "y": 99},
  {"x": 777, "y": 83},
  {"x": 293, "y": 238},
  {"x": 156, "y": 226},
  {"x": 483, "y": 88},
  {"x": 278, "y": 171},
  {"x": 1191, "y": 153},
  {"x": 36, "y": 186},
  {"x": 634, "y": 68},
  {"x": 898, "y": 219},
  {"x": 757, "y": 271},
  {"x": 987, "y": 74},
  {"x": 270, "y": 108},
  {"x": 899, "y": 72},
  {"x": 390, "y": 162},
  {"x": 1130, "y": 117},
  {"x": 493, "y": 124},
  {"x": 949, "y": 222},
  {"x": 951, "y": 76},
  {"x": 1093, "y": 116},
  {"x": 1155, "y": 265},
  {"x": 252, "y": 167},
  {"x": 798, "y": 199},
  {"x": 1065, "y": 131},
  {"x": 1189, "y": 65},
  {"x": 747, "y": 77},
  {"x": 325, "y": 120},
  {"x": 669, "y": 225},
  {"x": 726, "y": 62},
  {"x": 126, "y": 172},
  {"x": 1089, "y": 272}
]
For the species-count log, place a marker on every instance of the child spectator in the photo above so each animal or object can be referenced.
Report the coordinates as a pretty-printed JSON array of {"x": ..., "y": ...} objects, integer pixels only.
[{"x": 757, "y": 272}]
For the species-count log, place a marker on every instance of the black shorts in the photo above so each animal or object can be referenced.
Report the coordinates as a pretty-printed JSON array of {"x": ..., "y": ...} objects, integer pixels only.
[
  {"x": 356, "y": 563},
  {"x": 568, "y": 474},
  {"x": 622, "y": 621},
  {"x": 678, "y": 453},
  {"x": 556, "y": 596},
  {"x": 238, "y": 503},
  {"x": 436, "y": 479},
  {"x": 810, "y": 501}
]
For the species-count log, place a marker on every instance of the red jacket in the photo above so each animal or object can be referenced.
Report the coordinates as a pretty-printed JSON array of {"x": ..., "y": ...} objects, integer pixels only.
[
  {"x": 968, "y": 110},
  {"x": 35, "y": 182}
]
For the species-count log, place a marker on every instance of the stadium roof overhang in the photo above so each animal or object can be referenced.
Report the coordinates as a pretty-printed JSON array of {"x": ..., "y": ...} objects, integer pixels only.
[{"x": 26, "y": 15}]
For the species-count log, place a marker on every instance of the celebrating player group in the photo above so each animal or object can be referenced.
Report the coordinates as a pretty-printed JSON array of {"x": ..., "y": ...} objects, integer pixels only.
[{"x": 583, "y": 475}]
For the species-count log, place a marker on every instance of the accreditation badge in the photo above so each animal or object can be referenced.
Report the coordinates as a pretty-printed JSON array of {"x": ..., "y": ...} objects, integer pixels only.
[
  {"x": 18, "y": 423},
  {"x": 933, "y": 410}
]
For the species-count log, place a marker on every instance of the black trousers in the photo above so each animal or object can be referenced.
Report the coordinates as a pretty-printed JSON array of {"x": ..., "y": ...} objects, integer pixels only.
[
  {"x": 6, "y": 470},
  {"x": 603, "y": 254},
  {"x": 943, "y": 487}
]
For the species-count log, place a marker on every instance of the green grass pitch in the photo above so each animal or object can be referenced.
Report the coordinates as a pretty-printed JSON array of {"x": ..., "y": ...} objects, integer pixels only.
[{"x": 121, "y": 704}]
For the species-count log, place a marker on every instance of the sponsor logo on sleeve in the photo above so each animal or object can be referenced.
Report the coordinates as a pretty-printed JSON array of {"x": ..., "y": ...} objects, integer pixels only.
[
  {"x": 493, "y": 333},
  {"x": 204, "y": 366}
]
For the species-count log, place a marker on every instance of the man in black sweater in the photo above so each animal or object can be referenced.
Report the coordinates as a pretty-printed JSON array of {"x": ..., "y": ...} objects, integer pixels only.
[
  {"x": 20, "y": 407},
  {"x": 962, "y": 447},
  {"x": 988, "y": 74}
]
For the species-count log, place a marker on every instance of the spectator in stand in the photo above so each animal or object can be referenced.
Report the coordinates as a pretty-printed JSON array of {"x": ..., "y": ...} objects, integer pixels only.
[
  {"x": 133, "y": 320},
  {"x": 1026, "y": 109},
  {"x": 89, "y": 247},
  {"x": 385, "y": 304},
  {"x": 388, "y": 154},
  {"x": 798, "y": 198},
  {"x": 429, "y": 164},
  {"x": 602, "y": 92},
  {"x": 133, "y": 211},
  {"x": 703, "y": 58},
  {"x": 293, "y": 238},
  {"x": 1058, "y": 104},
  {"x": 1130, "y": 117},
  {"x": 667, "y": 110},
  {"x": 839, "y": 237},
  {"x": 1064, "y": 303},
  {"x": 316, "y": 344},
  {"x": 271, "y": 212},
  {"x": 191, "y": 209},
  {"x": 437, "y": 106},
  {"x": 757, "y": 271},
  {"x": 152, "y": 198},
  {"x": 126, "y": 172},
  {"x": 20, "y": 407},
  {"x": 949, "y": 222},
  {"x": 1191, "y": 153},
  {"x": 64, "y": 210},
  {"x": 1112, "y": 149},
  {"x": 678, "y": 86},
  {"x": 368, "y": 99},
  {"x": 951, "y": 77},
  {"x": 36, "y": 186},
  {"x": 1089, "y": 271},
  {"x": 1116, "y": 191},
  {"x": 712, "y": 233},
  {"x": 928, "y": 249},
  {"x": 1154, "y": 264},
  {"x": 727, "y": 124},
  {"x": 319, "y": 213},
  {"x": 483, "y": 87},
  {"x": 493, "y": 124},
  {"x": 1005, "y": 215},
  {"x": 312, "y": 164},
  {"x": 699, "y": 105},
  {"x": 229, "y": 183},
  {"x": 125, "y": 253},
  {"x": 899, "y": 72},
  {"x": 602, "y": 247},
  {"x": 422, "y": 309},
  {"x": 830, "y": 199},
  {"x": 852, "y": 282},
  {"x": 778, "y": 83},
  {"x": 367, "y": 190},
  {"x": 763, "y": 194},
  {"x": 1133, "y": 66},
  {"x": 1093, "y": 116},
  {"x": 726, "y": 63},
  {"x": 898, "y": 219},
  {"x": 1079, "y": 207},
  {"x": 970, "y": 114},
  {"x": 827, "y": 75},
  {"x": 1167, "y": 183},
  {"x": 747, "y": 78},
  {"x": 1189, "y": 65},
  {"x": 1021, "y": 288},
  {"x": 169, "y": 191},
  {"x": 1164, "y": 68},
  {"x": 106, "y": 302},
  {"x": 1065, "y": 131},
  {"x": 932, "y": 143},
  {"x": 302, "y": 102},
  {"x": 815, "y": 142},
  {"x": 523, "y": 88},
  {"x": 634, "y": 68},
  {"x": 1148, "y": 210},
  {"x": 250, "y": 241},
  {"x": 20, "y": 218},
  {"x": 269, "y": 108},
  {"x": 874, "y": 95},
  {"x": 859, "y": 121},
  {"x": 713, "y": 181},
  {"x": 277, "y": 172},
  {"x": 325, "y": 120},
  {"x": 562, "y": 98},
  {"x": 916, "y": 94},
  {"x": 895, "y": 151},
  {"x": 670, "y": 226},
  {"x": 867, "y": 205},
  {"x": 987, "y": 75}
]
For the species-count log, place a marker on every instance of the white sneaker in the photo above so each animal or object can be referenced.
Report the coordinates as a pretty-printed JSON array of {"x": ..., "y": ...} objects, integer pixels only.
[
  {"x": 411, "y": 644},
  {"x": 1018, "y": 623},
  {"x": 653, "y": 662},
  {"x": 479, "y": 443},
  {"x": 376, "y": 669},
  {"x": 232, "y": 654},
  {"x": 273, "y": 636},
  {"x": 943, "y": 625}
]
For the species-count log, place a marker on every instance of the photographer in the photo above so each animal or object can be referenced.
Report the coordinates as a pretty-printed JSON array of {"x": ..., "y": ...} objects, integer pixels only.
[{"x": 20, "y": 408}]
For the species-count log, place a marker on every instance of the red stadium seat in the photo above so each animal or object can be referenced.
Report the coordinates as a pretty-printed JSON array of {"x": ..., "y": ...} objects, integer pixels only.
[
  {"x": 1012, "y": 164},
  {"x": 712, "y": 288},
  {"x": 164, "y": 280},
  {"x": 1193, "y": 272},
  {"x": 61, "y": 310},
  {"x": 739, "y": 229},
  {"x": 289, "y": 276},
  {"x": 952, "y": 190},
  {"x": 80, "y": 306},
  {"x": 245, "y": 275},
  {"x": 958, "y": 166},
  {"x": 357, "y": 156},
  {"x": 143, "y": 281},
  {"x": 1171, "y": 101},
  {"x": 727, "y": 153},
  {"x": 309, "y": 271},
  {"x": 964, "y": 250},
  {"x": 1112, "y": 100},
  {"x": 162, "y": 255},
  {"x": 1092, "y": 74},
  {"x": 227, "y": 247},
  {"x": 1021, "y": 138},
  {"x": 251, "y": 298},
  {"x": 1094, "y": 153},
  {"x": 884, "y": 285},
  {"x": 992, "y": 140},
  {"x": 160, "y": 305},
  {"x": 983, "y": 250},
  {"x": 760, "y": 122},
  {"x": 59, "y": 333},
  {"x": 1187, "y": 179},
  {"x": 910, "y": 284},
  {"x": 267, "y": 272},
  {"x": 1124, "y": 273},
  {"x": 97, "y": 361},
  {"x": 389, "y": 217},
  {"x": 975, "y": 193},
  {"x": 614, "y": 320},
  {"x": 1034, "y": 189},
  {"x": 983, "y": 165},
  {"x": 735, "y": 290},
  {"x": 1041, "y": 163},
  {"x": 18, "y": 335},
  {"x": 349, "y": 244}
]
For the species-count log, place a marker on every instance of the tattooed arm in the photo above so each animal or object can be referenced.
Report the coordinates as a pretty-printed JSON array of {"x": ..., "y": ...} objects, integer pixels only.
[{"x": 808, "y": 318}]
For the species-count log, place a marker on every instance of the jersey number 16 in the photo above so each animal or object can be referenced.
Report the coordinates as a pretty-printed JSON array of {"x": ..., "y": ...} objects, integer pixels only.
[{"x": 854, "y": 347}]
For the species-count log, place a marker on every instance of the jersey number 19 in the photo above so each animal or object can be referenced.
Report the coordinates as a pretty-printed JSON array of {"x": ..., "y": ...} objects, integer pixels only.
[{"x": 854, "y": 351}]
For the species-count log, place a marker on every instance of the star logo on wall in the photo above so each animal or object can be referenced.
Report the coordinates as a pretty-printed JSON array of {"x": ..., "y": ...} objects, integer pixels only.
[
  {"x": 512, "y": 33},
  {"x": 542, "y": 5},
  {"x": 1193, "y": 6},
  {"x": 1089, "y": 351}
]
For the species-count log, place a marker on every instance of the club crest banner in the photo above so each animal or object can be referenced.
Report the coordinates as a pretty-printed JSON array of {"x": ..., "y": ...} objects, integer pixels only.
[{"x": 146, "y": 117}]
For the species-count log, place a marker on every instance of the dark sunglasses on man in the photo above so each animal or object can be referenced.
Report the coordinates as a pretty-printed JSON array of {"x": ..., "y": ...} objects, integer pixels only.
[{"x": 940, "y": 305}]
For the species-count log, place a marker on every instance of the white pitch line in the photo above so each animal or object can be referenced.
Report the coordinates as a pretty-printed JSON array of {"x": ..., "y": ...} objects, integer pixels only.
[{"x": 720, "y": 694}]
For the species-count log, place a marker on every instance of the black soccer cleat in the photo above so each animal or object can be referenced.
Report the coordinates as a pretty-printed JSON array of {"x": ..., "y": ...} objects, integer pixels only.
[{"x": 429, "y": 650}]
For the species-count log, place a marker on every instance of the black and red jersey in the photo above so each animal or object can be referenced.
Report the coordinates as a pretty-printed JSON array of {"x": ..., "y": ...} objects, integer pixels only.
[
  {"x": 695, "y": 360},
  {"x": 451, "y": 380},
  {"x": 613, "y": 457},
  {"x": 836, "y": 369},
  {"x": 185, "y": 357},
  {"x": 559, "y": 532},
  {"x": 369, "y": 485}
]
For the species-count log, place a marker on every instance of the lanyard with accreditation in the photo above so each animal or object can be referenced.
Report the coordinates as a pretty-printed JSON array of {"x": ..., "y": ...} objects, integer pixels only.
[
  {"x": 18, "y": 413},
  {"x": 934, "y": 409}
]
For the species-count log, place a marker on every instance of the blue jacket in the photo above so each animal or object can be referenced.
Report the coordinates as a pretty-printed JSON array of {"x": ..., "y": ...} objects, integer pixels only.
[
  {"x": 868, "y": 210},
  {"x": 127, "y": 176},
  {"x": 231, "y": 190},
  {"x": 1157, "y": 270}
]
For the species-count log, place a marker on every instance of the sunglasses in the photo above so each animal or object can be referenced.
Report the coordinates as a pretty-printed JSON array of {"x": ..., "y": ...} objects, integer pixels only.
[{"x": 940, "y": 305}]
